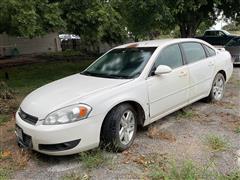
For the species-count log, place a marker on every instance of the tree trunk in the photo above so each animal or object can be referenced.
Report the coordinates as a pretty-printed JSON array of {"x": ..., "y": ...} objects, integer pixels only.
[{"x": 188, "y": 30}]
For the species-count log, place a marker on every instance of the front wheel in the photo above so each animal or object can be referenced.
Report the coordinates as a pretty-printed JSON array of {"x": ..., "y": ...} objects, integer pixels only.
[
  {"x": 119, "y": 128},
  {"x": 218, "y": 88}
]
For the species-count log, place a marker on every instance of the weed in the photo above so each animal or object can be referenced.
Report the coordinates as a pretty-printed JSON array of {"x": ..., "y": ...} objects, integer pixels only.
[
  {"x": 92, "y": 159},
  {"x": 21, "y": 158},
  {"x": 187, "y": 170},
  {"x": 216, "y": 143},
  {"x": 186, "y": 114}
]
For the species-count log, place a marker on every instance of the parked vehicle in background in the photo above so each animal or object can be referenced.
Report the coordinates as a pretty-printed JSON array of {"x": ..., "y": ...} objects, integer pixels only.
[
  {"x": 216, "y": 37},
  {"x": 233, "y": 46},
  {"x": 133, "y": 84},
  {"x": 66, "y": 37}
]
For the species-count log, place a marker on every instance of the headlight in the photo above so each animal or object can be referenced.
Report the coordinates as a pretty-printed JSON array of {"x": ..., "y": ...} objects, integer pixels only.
[{"x": 68, "y": 114}]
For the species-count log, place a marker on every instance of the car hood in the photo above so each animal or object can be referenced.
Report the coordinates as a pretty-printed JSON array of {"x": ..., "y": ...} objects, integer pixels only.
[{"x": 65, "y": 92}]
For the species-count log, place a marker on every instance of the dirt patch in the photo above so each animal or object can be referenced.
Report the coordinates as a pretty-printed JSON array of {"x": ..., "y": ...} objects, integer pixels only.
[{"x": 155, "y": 133}]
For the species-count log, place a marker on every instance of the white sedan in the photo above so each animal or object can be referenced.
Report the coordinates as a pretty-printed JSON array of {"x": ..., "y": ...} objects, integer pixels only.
[{"x": 133, "y": 84}]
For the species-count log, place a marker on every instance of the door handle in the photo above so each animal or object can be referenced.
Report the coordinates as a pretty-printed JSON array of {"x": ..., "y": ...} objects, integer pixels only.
[{"x": 182, "y": 74}]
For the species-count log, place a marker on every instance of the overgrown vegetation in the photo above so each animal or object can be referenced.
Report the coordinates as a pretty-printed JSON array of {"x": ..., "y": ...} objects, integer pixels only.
[
  {"x": 216, "y": 143},
  {"x": 93, "y": 159}
]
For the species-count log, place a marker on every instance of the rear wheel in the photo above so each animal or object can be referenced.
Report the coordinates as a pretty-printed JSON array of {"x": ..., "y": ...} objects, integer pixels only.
[
  {"x": 218, "y": 88},
  {"x": 119, "y": 128}
]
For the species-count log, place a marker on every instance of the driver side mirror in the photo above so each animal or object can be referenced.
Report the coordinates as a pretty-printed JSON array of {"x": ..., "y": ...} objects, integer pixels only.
[{"x": 162, "y": 69}]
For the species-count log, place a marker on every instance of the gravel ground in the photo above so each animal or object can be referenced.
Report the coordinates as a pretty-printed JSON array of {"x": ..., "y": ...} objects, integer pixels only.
[{"x": 179, "y": 136}]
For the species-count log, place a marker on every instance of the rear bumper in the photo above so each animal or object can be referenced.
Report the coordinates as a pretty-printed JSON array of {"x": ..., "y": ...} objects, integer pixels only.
[{"x": 51, "y": 139}]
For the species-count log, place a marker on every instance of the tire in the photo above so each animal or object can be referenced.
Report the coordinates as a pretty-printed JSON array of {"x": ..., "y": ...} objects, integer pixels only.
[
  {"x": 217, "y": 90},
  {"x": 117, "y": 128}
]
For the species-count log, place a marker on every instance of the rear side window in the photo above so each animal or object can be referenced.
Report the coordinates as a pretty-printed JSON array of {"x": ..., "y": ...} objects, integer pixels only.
[
  {"x": 193, "y": 52},
  {"x": 210, "y": 51},
  {"x": 170, "y": 56}
]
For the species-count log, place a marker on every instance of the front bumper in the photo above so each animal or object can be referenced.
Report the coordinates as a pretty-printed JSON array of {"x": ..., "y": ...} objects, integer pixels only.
[{"x": 86, "y": 132}]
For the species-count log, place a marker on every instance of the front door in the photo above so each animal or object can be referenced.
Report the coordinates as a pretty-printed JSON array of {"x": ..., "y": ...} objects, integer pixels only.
[{"x": 168, "y": 91}]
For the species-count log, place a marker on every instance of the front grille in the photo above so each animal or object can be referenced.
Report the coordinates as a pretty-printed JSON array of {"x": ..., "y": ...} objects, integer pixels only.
[{"x": 27, "y": 117}]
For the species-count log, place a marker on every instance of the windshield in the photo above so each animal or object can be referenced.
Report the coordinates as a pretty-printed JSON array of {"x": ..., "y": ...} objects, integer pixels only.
[
  {"x": 122, "y": 63},
  {"x": 234, "y": 42}
]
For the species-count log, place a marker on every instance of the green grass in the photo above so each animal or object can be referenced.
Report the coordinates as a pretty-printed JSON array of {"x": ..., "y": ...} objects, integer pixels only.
[
  {"x": 4, "y": 119},
  {"x": 216, "y": 143},
  {"x": 186, "y": 170},
  {"x": 26, "y": 78},
  {"x": 93, "y": 159}
]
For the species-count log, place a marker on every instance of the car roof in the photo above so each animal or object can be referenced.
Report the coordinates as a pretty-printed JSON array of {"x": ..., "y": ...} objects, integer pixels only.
[{"x": 159, "y": 43}]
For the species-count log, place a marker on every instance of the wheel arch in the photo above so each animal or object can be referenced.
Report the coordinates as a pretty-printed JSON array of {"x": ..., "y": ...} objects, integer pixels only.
[
  {"x": 223, "y": 73},
  {"x": 141, "y": 117}
]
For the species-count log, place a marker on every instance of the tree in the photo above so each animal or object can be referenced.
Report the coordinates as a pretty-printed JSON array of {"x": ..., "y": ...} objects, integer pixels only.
[
  {"x": 29, "y": 18},
  {"x": 189, "y": 14},
  {"x": 145, "y": 18},
  {"x": 231, "y": 9},
  {"x": 93, "y": 20}
]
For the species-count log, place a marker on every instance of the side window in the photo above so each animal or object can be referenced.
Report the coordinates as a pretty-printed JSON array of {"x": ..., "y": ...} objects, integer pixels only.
[
  {"x": 170, "y": 56},
  {"x": 211, "y": 33},
  {"x": 210, "y": 51},
  {"x": 193, "y": 52}
]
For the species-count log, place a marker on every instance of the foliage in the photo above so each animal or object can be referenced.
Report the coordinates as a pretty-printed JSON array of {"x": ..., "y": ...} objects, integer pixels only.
[
  {"x": 93, "y": 20},
  {"x": 145, "y": 18},
  {"x": 29, "y": 18},
  {"x": 230, "y": 9},
  {"x": 216, "y": 143}
]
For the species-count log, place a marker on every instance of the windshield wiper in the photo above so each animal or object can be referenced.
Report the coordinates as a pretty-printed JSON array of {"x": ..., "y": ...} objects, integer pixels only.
[{"x": 87, "y": 73}]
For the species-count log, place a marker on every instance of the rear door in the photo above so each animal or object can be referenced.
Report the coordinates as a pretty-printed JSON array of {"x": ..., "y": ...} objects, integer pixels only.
[{"x": 201, "y": 69}]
